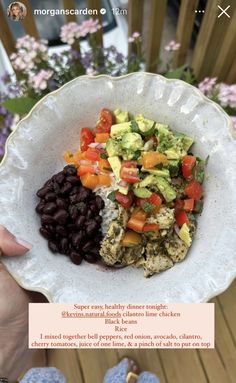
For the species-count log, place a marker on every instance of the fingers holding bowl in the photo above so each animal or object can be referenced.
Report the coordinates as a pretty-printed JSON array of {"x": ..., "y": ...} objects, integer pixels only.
[{"x": 10, "y": 245}]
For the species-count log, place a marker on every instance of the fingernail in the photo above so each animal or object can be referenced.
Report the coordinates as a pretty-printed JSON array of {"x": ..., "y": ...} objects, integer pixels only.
[{"x": 24, "y": 243}]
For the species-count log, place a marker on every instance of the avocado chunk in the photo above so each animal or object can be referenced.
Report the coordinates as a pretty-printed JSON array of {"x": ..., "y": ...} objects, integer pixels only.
[
  {"x": 146, "y": 126},
  {"x": 113, "y": 147},
  {"x": 129, "y": 154},
  {"x": 115, "y": 163},
  {"x": 132, "y": 141},
  {"x": 173, "y": 166},
  {"x": 142, "y": 193},
  {"x": 118, "y": 130},
  {"x": 157, "y": 172},
  {"x": 166, "y": 189},
  {"x": 124, "y": 189},
  {"x": 184, "y": 234},
  {"x": 148, "y": 180},
  {"x": 186, "y": 140},
  {"x": 173, "y": 154},
  {"x": 162, "y": 129},
  {"x": 120, "y": 116}
]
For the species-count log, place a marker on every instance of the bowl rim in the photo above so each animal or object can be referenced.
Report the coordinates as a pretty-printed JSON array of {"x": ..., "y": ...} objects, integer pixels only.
[{"x": 229, "y": 124}]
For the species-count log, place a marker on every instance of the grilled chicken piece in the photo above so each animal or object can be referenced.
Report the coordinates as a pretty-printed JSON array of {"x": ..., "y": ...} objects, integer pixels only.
[
  {"x": 176, "y": 248},
  {"x": 164, "y": 218},
  {"x": 132, "y": 255},
  {"x": 156, "y": 259},
  {"x": 111, "y": 250}
]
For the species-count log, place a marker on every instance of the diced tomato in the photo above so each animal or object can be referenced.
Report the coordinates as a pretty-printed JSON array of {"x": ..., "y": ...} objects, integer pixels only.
[
  {"x": 86, "y": 138},
  {"x": 188, "y": 163},
  {"x": 179, "y": 204},
  {"x": 92, "y": 154},
  {"x": 155, "y": 199},
  {"x": 105, "y": 122},
  {"x": 84, "y": 169},
  {"x": 151, "y": 159},
  {"x": 181, "y": 217},
  {"x": 135, "y": 224},
  {"x": 129, "y": 172},
  {"x": 131, "y": 239},
  {"x": 150, "y": 227},
  {"x": 104, "y": 165},
  {"x": 125, "y": 200},
  {"x": 104, "y": 180},
  {"x": 194, "y": 190},
  {"x": 102, "y": 137},
  {"x": 189, "y": 204},
  {"x": 90, "y": 181}
]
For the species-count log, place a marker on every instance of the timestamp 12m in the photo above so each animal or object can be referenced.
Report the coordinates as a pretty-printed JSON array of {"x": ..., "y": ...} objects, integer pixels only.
[{"x": 118, "y": 11}]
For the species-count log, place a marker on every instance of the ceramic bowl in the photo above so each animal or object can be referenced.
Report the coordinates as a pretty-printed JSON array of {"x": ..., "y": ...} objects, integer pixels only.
[{"x": 34, "y": 153}]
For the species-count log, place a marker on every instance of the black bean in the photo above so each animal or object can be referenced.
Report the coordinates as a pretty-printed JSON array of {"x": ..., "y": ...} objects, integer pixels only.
[
  {"x": 47, "y": 219},
  {"x": 66, "y": 188},
  {"x": 98, "y": 219},
  {"x": 49, "y": 208},
  {"x": 90, "y": 258},
  {"x": 89, "y": 214},
  {"x": 39, "y": 208},
  {"x": 59, "y": 177},
  {"x": 70, "y": 170},
  {"x": 56, "y": 188},
  {"x": 53, "y": 246},
  {"x": 45, "y": 233},
  {"x": 76, "y": 257},
  {"x": 87, "y": 246},
  {"x": 77, "y": 239},
  {"x": 61, "y": 203},
  {"x": 75, "y": 190},
  {"x": 61, "y": 216},
  {"x": 61, "y": 230},
  {"x": 73, "y": 212},
  {"x": 50, "y": 228},
  {"x": 64, "y": 245},
  {"x": 80, "y": 221},
  {"x": 43, "y": 191},
  {"x": 49, "y": 197},
  {"x": 99, "y": 202},
  {"x": 71, "y": 227},
  {"x": 74, "y": 180},
  {"x": 83, "y": 194},
  {"x": 97, "y": 239},
  {"x": 49, "y": 183},
  {"x": 95, "y": 251},
  {"x": 82, "y": 209},
  {"x": 91, "y": 229},
  {"x": 73, "y": 199}
]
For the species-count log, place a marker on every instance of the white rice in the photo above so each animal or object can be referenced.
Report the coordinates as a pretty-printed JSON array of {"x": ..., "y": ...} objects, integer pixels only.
[{"x": 110, "y": 211}]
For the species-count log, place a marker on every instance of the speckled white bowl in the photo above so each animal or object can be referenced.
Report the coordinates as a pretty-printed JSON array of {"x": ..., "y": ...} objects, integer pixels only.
[{"x": 34, "y": 153}]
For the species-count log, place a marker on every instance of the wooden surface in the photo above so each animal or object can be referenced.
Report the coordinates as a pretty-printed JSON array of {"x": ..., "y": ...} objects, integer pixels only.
[
  {"x": 135, "y": 20},
  {"x": 69, "y": 4},
  {"x": 172, "y": 366},
  {"x": 5, "y": 32},
  {"x": 29, "y": 23},
  {"x": 158, "y": 12},
  {"x": 184, "y": 30},
  {"x": 96, "y": 4},
  {"x": 210, "y": 41}
]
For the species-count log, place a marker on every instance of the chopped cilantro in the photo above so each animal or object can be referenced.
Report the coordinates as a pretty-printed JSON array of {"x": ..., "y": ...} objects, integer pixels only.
[
  {"x": 198, "y": 171},
  {"x": 104, "y": 156},
  {"x": 134, "y": 126},
  {"x": 198, "y": 206},
  {"x": 136, "y": 155},
  {"x": 148, "y": 207},
  {"x": 112, "y": 196}
]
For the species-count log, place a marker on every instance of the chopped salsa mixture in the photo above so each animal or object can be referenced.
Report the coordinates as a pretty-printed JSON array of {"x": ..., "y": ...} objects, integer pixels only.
[{"x": 151, "y": 186}]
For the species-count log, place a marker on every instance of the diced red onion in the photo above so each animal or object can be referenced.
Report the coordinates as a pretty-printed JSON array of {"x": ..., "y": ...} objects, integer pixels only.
[
  {"x": 97, "y": 145},
  {"x": 176, "y": 228},
  {"x": 123, "y": 184}
]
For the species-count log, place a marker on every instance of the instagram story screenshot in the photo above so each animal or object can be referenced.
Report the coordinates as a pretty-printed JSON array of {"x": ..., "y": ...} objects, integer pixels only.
[{"x": 117, "y": 191}]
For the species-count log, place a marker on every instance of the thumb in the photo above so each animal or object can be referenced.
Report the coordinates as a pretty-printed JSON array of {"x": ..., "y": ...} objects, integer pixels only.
[{"x": 10, "y": 245}]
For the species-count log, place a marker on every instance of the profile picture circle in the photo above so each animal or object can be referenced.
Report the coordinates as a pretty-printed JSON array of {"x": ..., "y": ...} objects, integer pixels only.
[{"x": 16, "y": 11}]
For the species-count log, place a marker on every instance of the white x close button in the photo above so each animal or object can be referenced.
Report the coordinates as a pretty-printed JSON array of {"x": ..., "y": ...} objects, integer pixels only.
[{"x": 223, "y": 11}]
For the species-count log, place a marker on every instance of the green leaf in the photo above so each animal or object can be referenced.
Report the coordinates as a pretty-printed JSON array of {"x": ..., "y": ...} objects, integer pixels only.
[
  {"x": 136, "y": 155},
  {"x": 177, "y": 73},
  {"x": 148, "y": 207},
  {"x": 134, "y": 126},
  {"x": 19, "y": 105},
  {"x": 104, "y": 156},
  {"x": 112, "y": 196}
]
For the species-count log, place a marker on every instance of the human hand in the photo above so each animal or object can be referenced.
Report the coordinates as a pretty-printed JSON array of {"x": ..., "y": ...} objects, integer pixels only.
[{"x": 14, "y": 352}]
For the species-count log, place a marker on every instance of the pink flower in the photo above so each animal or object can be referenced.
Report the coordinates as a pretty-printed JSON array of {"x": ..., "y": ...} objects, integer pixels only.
[
  {"x": 39, "y": 81},
  {"x": 72, "y": 31},
  {"x": 172, "y": 46},
  {"x": 135, "y": 37},
  {"x": 206, "y": 86},
  {"x": 233, "y": 118},
  {"x": 227, "y": 95}
]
